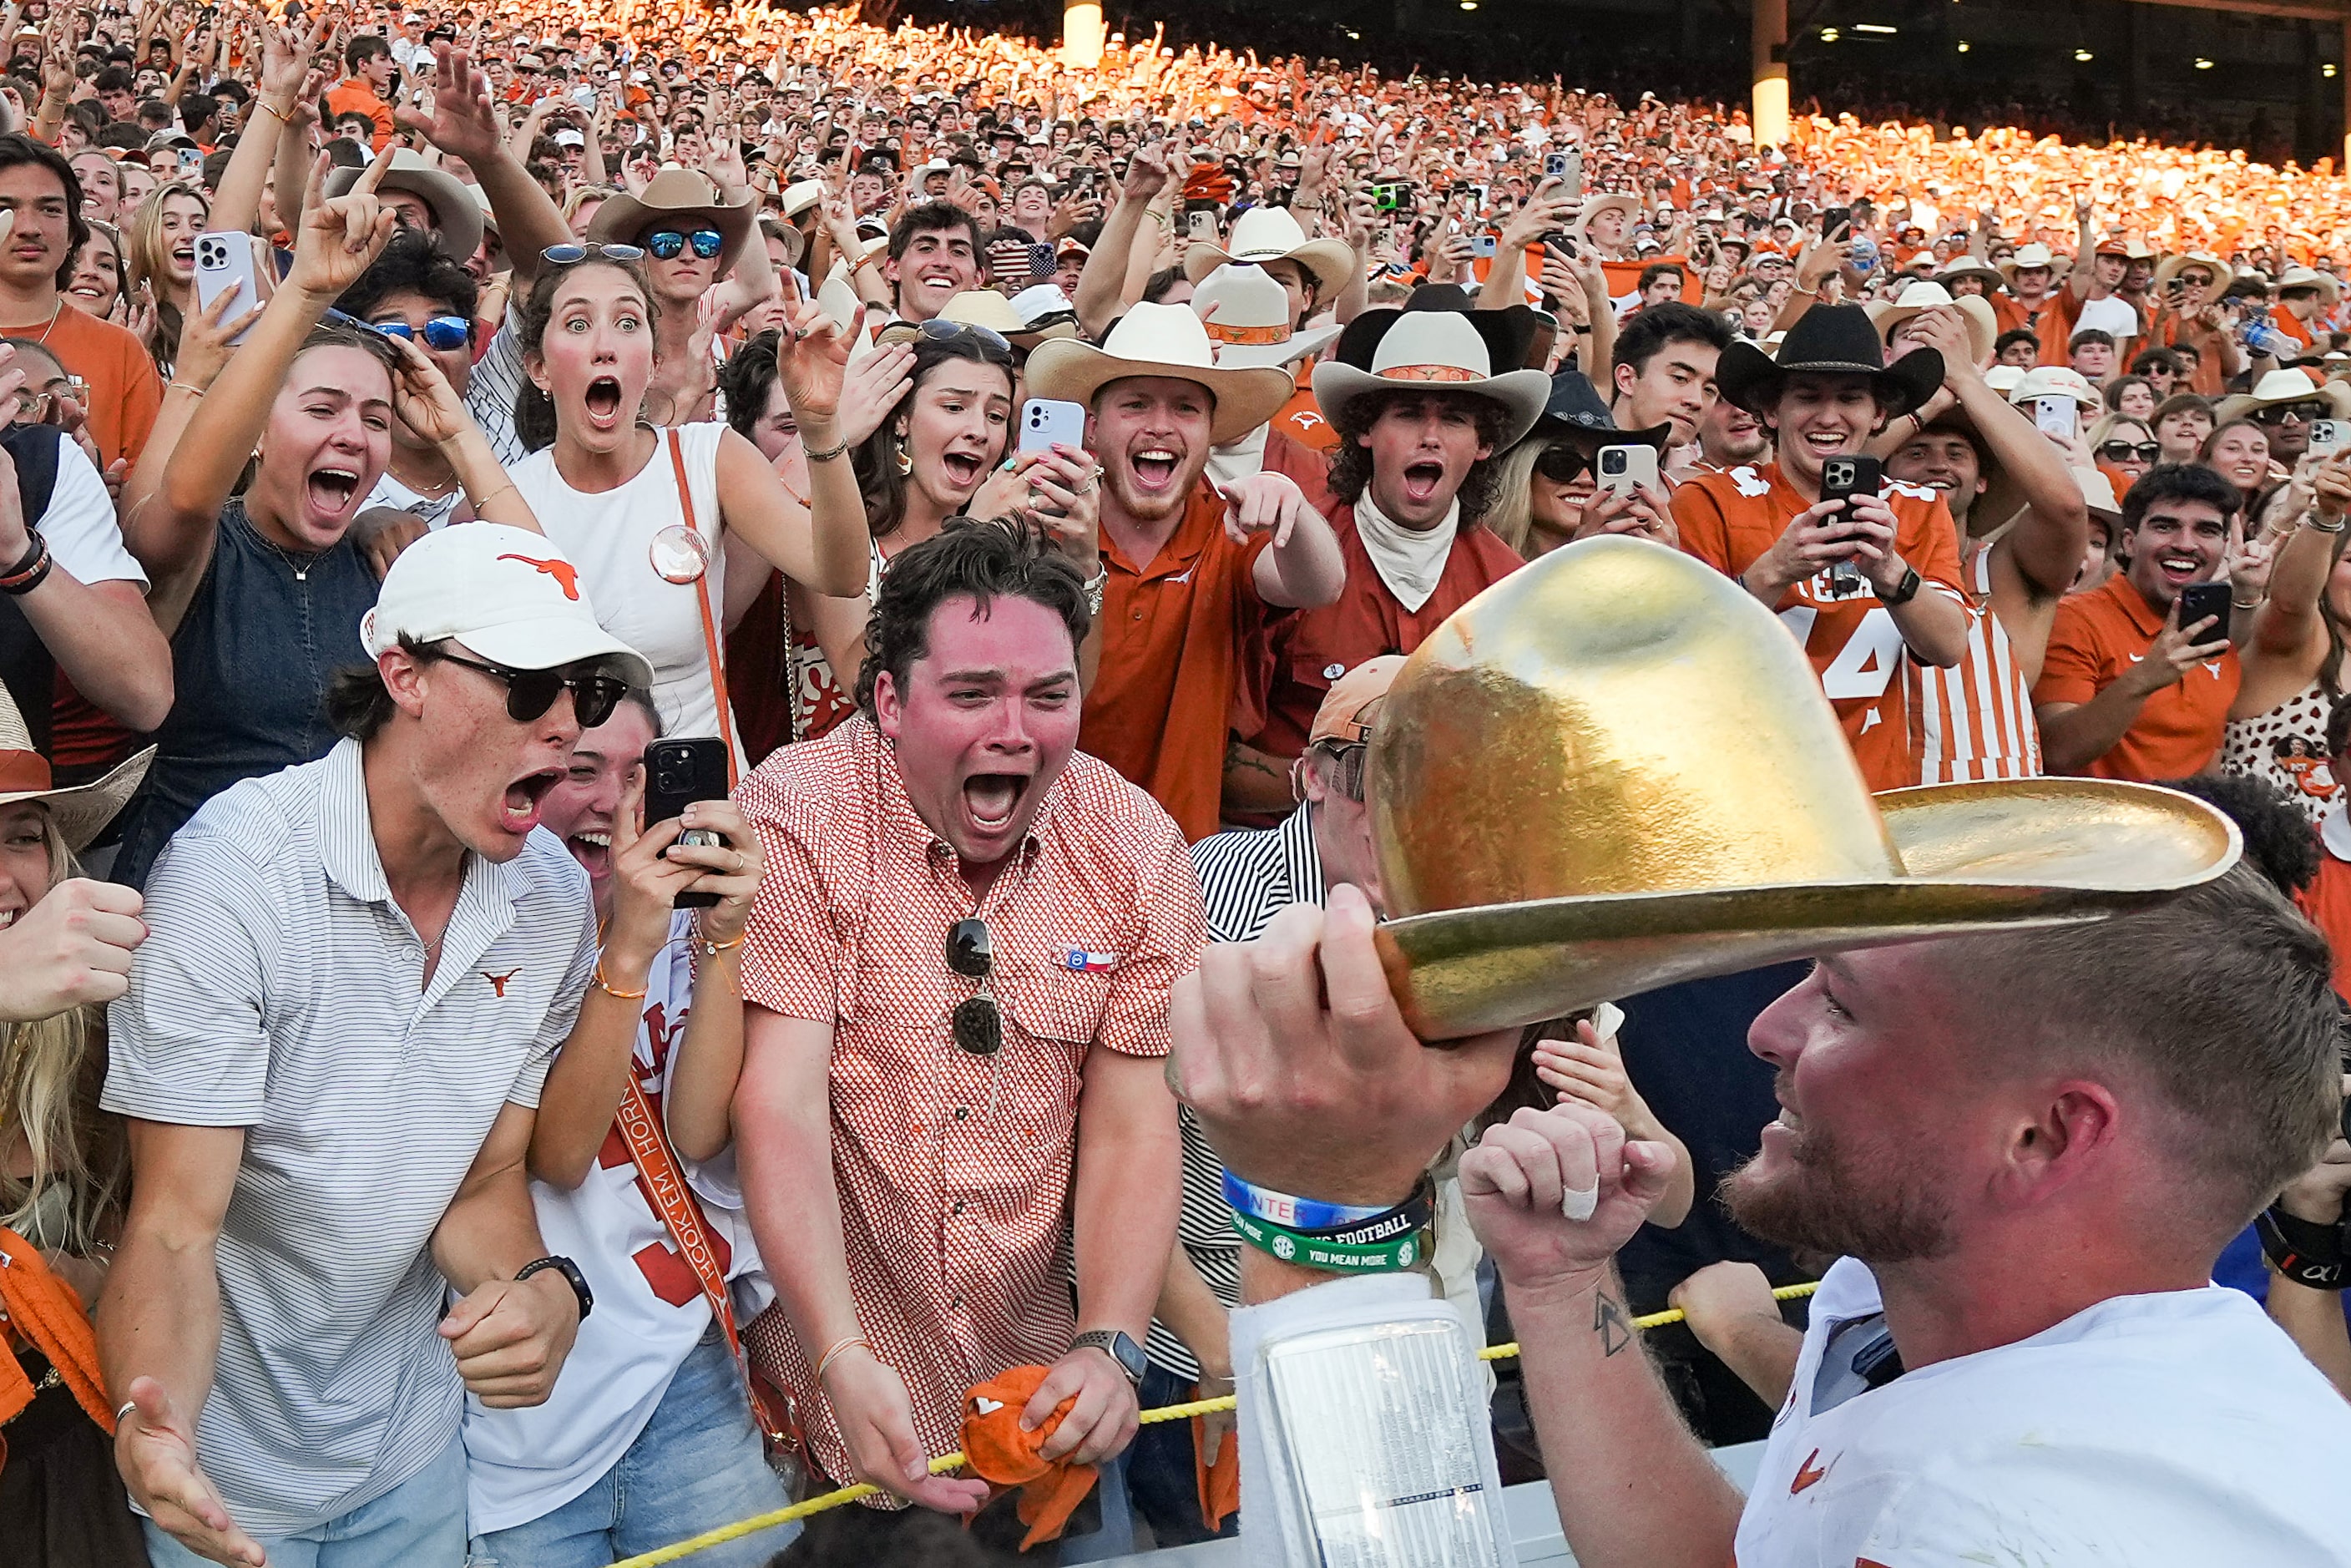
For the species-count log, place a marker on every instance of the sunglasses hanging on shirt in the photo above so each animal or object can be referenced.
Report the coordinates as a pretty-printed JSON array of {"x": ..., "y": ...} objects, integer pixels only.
[{"x": 977, "y": 1022}]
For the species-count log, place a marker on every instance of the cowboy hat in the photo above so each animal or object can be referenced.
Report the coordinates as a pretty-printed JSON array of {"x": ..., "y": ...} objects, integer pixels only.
[
  {"x": 1575, "y": 412},
  {"x": 1969, "y": 267},
  {"x": 1629, "y": 206},
  {"x": 2327, "y": 285},
  {"x": 1162, "y": 341},
  {"x": 1829, "y": 340},
  {"x": 675, "y": 192},
  {"x": 1433, "y": 350},
  {"x": 1269, "y": 234},
  {"x": 2172, "y": 266},
  {"x": 1248, "y": 313},
  {"x": 2056, "y": 380},
  {"x": 454, "y": 215},
  {"x": 972, "y": 307},
  {"x": 1510, "y": 331},
  {"x": 2024, "y": 259},
  {"x": 80, "y": 811},
  {"x": 800, "y": 195},
  {"x": 2284, "y": 386},
  {"x": 1544, "y": 842},
  {"x": 1983, "y": 326}
]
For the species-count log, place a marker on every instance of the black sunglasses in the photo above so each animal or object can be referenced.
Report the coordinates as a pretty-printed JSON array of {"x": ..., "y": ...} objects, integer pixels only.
[
  {"x": 2301, "y": 413},
  {"x": 667, "y": 245},
  {"x": 2124, "y": 451},
  {"x": 1561, "y": 463},
  {"x": 977, "y": 1022},
  {"x": 530, "y": 693}
]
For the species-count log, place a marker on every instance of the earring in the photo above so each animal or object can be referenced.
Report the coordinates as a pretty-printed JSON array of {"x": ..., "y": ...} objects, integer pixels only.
[{"x": 905, "y": 459}]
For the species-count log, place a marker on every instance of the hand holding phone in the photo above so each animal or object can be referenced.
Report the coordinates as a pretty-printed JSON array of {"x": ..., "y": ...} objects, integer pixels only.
[
  {"x": 1842, "y": 479},
  {"x": 678, "y": 773}
]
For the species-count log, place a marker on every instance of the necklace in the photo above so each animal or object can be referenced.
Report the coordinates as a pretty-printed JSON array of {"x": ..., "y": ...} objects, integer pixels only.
[
  {"x": 299, "y": 564},
  {"x": 53, "y": 320}
]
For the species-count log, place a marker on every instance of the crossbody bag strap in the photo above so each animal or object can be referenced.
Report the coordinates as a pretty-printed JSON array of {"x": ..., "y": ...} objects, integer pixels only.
[
  {"x": 709, "y": 620},
  {"x": 673, "y": 1200}
]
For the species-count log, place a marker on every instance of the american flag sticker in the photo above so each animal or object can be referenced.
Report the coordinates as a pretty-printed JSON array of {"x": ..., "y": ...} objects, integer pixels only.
[{"x": 1080, "y": 962}]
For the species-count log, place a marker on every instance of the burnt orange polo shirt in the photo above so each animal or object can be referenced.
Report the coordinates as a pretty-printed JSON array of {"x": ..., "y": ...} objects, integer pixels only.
[
  {"x": 1301, "y": 418},
  {"x": 2099, "y": 634},
  {"x": 1171, "y": 649}
]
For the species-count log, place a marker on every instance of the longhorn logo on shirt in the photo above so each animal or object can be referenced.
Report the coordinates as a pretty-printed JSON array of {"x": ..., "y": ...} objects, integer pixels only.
[
  {"x": 498, "y": 982},
  {"x": 566, "y": 575},
  {"x": 1807, "y": 1477}
]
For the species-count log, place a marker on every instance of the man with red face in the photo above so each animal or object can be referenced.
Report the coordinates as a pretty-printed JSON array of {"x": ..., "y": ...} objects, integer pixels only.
[{"x": 956, "y": 989}]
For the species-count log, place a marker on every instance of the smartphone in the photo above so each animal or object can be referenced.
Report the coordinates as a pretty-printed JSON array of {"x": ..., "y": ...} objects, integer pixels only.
[
  {"x": 222, "y": 258},
  {"x": 1842, "y": 478},
  {"x": 1040, "y": 260},
  {"x": 1836, "y": 220},
  {"x": 1554, "y": 165},
  {"x": 1572, "y": 173},
  {"x": 2329, "y": 436},
  {"x": 1048, "y": 422},
  {"x": 1625, "y": 468},
  {"x": 2054, "y": 415},
  {"x": 677, "y": 774},
  {"x": 1482, "y": 244},
  {"x": 1201, "y": 225},
  {"x": 2205, "y": 601}
]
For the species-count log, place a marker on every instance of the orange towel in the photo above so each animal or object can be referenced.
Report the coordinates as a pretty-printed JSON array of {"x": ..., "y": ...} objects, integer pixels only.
[
  {"x": 1002, "y": 1455},
  {"x": 44, "y": 1311},
  {"x": 1219, "y": 1478}
]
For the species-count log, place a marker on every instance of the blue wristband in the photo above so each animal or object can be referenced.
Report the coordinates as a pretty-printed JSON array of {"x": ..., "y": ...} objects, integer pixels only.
[{"x": 1295, "y": 1213}]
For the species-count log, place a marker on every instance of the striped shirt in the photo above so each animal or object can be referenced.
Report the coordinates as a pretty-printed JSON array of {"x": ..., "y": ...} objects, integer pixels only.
[
  {"x": 498, "y": 378},
  {"x": 1975, "y": 720},
  {"x": 281, "y": 991},
  {"x": 1248, "y": 875}
]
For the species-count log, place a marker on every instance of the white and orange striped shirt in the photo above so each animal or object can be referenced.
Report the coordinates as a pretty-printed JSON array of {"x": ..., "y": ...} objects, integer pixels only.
[{"x": 1974, "y": 720}]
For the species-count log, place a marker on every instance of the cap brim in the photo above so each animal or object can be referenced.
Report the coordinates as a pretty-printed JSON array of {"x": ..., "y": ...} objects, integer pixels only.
[{"x": 556, "y": 641}]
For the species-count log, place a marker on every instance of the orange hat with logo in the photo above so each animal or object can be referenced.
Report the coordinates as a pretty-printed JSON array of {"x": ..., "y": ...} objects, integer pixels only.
[{"x": 1352, "y": 703}]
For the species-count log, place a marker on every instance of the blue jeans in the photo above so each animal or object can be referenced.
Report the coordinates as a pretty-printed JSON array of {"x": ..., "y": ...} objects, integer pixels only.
[
  {"x": 1160, "y": 1480},
  {"x": 698, "y": 1465},
  {"x": 420, "y": 1523}
]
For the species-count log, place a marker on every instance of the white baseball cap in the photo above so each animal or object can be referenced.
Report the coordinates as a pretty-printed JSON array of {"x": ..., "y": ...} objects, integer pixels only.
[{"x": 505, "y": 592}]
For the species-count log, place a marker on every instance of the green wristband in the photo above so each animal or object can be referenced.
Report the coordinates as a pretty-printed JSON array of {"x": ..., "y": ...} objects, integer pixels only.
[{"x": 1290, "y": 1247}]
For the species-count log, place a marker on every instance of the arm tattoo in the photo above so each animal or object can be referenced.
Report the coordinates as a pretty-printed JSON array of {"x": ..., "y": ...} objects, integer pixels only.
[
  {"x": 1609, "y": 1321},
  {"x": 1238, "y": 756}
]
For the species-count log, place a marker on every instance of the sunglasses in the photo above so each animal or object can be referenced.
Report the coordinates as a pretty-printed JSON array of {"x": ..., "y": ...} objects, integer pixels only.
[
  {"x": 530, "y": 693},
  {"x": 939, "y": 331},
  {"x": 668, "y": 245},
  {"x": 977, "y": 1022},
  {"x": 2124, "y": 451},
  {"x": 2300, "y": 413},
  {"x": 442, "y": 332},
  {"x": 574, "y": 255},
  {"x": 1561, "y": 463}
]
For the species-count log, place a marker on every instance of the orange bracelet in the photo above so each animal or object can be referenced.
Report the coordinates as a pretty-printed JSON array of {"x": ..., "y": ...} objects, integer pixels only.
[{"x": 605, "y": 985}]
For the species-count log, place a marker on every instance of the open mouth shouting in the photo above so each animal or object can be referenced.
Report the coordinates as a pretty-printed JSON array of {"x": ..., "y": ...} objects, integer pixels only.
[
  {"x": 602, "y": 403},
  {"x": 1421, "y": 480},
  {"x": 518, "y": 808},
  {"x": 963, "y": 469},
  {"x": 332, "y": 489},
  {"x": 991, "y": 801},
  {"x": 1155, "y": 466},
  {"x": 592, "y": 848}
]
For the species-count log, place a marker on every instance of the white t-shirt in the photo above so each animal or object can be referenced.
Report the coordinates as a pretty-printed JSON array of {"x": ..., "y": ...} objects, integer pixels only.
[
  {"x": 84, "y": 538},
  {"x": 2113, "y": 315},
  {"x": 609, "y": 537},
  {"x": 390, "y": 493},
  {"x": 650, "y": 1308},
  {"x": 2179, "y": 1429}
]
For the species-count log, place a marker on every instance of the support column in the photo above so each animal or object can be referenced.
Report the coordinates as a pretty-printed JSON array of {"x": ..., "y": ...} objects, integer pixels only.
[
  {"x": 1769, "y": 110},
  {"x": 1082, "y": 33}
]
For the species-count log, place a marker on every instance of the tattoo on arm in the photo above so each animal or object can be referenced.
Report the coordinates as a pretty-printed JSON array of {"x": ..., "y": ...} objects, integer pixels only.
[
  {"x": 1239, "y": 756},
  {"x": 1609, "y": 1321}
]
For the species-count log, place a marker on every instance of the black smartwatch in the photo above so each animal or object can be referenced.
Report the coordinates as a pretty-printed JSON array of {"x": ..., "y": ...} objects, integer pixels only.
[
  {"x": 1120, "y": 1349},
  {"x": 571, "y": 1277},
  {"x": 1905, "y": 591}
]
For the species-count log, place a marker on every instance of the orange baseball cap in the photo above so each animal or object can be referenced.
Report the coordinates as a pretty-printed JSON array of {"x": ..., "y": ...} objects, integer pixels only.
[{"x": 1347, "y": 711}]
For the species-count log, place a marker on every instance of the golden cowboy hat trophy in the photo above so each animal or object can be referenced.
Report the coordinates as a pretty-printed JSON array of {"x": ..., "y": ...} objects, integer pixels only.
[{"x": 1615, "y": 769}]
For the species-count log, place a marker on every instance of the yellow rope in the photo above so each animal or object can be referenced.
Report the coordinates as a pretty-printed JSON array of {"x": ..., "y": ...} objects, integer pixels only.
[{"x": 944, "y": 1462}]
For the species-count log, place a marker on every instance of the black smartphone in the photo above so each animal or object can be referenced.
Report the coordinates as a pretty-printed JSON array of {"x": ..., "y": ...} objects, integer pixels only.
[
  {"x": 2202, "y": 600},
  {"x": 677, "y": 774},
  {"x": 1833, "y": 219},
  {"x": 1842, "y": 478}
]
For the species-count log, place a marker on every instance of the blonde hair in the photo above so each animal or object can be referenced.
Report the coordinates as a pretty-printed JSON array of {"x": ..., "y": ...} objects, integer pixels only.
[
  {"x": 146, "y": 258},
  {"x": 50, "y": 1080},
  {"x": 1513, "y": 515}
]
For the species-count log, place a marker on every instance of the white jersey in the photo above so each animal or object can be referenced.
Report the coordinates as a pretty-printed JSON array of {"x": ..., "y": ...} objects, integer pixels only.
[
  {"x": 2179, "y": 1429},
  {"x": 650, "y": 1308}
]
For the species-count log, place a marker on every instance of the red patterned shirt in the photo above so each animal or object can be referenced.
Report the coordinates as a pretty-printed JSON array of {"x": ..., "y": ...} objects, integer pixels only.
[{"x": 954, "y": 1171}]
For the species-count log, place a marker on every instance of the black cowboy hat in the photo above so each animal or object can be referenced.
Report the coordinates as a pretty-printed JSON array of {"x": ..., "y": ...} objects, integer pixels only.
[
  {"x": 1510, "y": 334},
  {"x": 1576, "y": 412},
  {"x": 1829, "y": 340}
]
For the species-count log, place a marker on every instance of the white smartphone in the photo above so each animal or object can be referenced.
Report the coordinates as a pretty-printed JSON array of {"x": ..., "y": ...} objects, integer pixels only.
[
  {"x": 225, "y": 257},
  {"x": 1047, "y": 421},
  {"x": 1201, "y": 227},
  {"x": 2329, "y": 436},
  {"x": 1624, "y": 469},
  {"x": 2054, "y": 415}
]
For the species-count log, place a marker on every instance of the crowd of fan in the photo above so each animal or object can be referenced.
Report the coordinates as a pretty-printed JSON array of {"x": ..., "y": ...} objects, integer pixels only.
[{"x": 422, "y": 413}]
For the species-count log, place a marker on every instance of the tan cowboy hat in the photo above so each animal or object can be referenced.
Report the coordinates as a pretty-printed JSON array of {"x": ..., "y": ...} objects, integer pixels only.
[
  {"x": 1271, "y": 234},
  {"x": 1433, "y": 350},
  {"x": 455, "y": 216},
  {"x": 1629, "y": 206},
  {"x": 1547, "y": 841},
  {"x": 80, "y": 811},
  {"x": 2286, "y": 386},
  {"x": 675, "y": 192},
  {"x": 2025, "y": 257},
  {"x": 1161, "y": 340},
  {"x": 2328, "y": 285},
  {"x": 1961, "y": 267},
  {"x": 2172, "y": 266},
  {"x": 800, "y": 195},
  {"x": 1247, "y": 314},
  {"x": 1983, "y": 326}
]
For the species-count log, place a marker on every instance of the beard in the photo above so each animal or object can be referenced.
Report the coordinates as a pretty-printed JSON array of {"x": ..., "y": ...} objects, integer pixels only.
[{"x": 1845, "y": 1198}]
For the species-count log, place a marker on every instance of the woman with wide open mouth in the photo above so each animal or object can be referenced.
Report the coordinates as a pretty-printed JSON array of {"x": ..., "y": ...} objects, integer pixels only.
[
  {"x": 603, "y": 481},
  {"x": 160, "y": 242}
]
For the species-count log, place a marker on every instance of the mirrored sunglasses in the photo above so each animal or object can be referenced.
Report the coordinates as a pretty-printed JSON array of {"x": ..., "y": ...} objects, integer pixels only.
[{"x": 668, "y": 245}]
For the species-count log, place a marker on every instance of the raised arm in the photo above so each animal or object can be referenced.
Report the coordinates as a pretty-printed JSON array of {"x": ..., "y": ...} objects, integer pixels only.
[
  {"x": 1101, "y": 285},
  {"x": 284, "y": 65},
  {"x": 464, "y": 124},
  {"x": 827, "y": 550},
  {"x": 1302, "y": 568},
  {"x": 2289, "y": 623}
]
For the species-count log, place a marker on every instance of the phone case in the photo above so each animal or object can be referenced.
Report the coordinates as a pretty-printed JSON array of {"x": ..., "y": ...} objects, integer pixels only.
[{"x": 1046, "y": 422}]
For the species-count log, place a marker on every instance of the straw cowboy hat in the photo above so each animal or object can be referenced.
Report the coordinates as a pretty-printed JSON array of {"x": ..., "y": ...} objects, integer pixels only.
[
  {"x": 2284, "y": 386},
  {"x": 455, "y": 213},
  {"x": 800, "y": 195},
  {"x": 80, "y": 811},
  {"x": 676, "y": 193},
  {"x": 2330, "y": 288},
  {"x": 1269, "y": 234},
  {"x": 1162, "y": 341},
  {"x": 1983, "y": 326},
  {"x": 1545, "y": 843},
  {"x": 1829, "y": 340},
  {"x": 1247, "y": 314},
  {"x": 1433, "y": 350},
  {"x": 1629, "y": 206}
]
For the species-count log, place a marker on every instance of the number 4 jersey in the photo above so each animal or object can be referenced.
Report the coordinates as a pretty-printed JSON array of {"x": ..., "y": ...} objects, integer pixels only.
[{"x": 1728, "y": 518}]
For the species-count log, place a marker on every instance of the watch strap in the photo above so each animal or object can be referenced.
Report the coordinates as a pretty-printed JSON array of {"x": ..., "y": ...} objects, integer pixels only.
[
  {"x": 571, "y": 1277},
  {"x": 1907, "y": 590},
  {"x": 2311, "y": 1255},
  {"x": 1116, "y": 1345}
]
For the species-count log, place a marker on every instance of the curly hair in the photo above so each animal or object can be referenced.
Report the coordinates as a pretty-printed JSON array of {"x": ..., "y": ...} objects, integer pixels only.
[
  {"x": 968, "y": 559},
  {"x": 1351, "y": 460},
  {"x": 413, "y": 263},
  {"x": 534, "y": 412},
  {"x": 2278, "y": 840}
]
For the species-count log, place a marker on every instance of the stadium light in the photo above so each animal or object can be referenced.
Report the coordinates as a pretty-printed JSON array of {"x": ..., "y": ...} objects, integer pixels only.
[
  {"x": 1963, "y": 45},
  {"x": 1828, "y": 35},
  {"x": 2327, "y": 69},
  {"x": 2203, "y": 64},
  {"x": 2084, "y": 56},
  {"x": 1873, "y": 28}
]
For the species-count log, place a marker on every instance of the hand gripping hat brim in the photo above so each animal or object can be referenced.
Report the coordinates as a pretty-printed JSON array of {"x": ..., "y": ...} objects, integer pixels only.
[{"x": 1557, "y": 822}]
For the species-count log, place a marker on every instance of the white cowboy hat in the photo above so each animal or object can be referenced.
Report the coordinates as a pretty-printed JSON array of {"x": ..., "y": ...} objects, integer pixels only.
[
  {"x": 2056, "y": 380},
  {"x": 2024, "y": 259},
  {"x": 1247, "y": 314},
  {"x": 800, "y": 195},
  {"x": 1162, "y": 341},
  {"x": 2172, "y": 266},
  {"x": 1961, "y": 267},
  {"x": 80, "y": 811},
  {"x": 2284, "y": 386},
  {"x": 1435, "y": 350},
  {"x": 454, "y": 215},
  {"x": 837, "y": 297},
  {"x": 1983, "y": 326},
  {"x": 1629, "y": 206},
  {"x": 1269, "y": 234},
  {"x": 2326, "y": 283}
]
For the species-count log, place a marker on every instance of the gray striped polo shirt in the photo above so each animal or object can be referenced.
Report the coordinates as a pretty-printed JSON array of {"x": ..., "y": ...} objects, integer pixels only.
[{"x": 280, "y": 990}]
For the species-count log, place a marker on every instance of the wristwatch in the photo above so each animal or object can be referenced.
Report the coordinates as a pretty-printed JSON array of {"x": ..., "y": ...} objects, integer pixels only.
[
  {"x": 1120, "y": 1349},
  {"x": 571, "y": 1277},
  {"x": 1905, "y": 591}
]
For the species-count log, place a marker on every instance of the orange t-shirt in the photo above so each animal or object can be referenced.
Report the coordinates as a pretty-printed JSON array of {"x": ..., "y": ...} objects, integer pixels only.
[
  {"x": 2099, "y": 634},
  {"x": 1171, "y": 650},
  {"x": 2327, "y": 902},
  {"x": 357, "y": 95},
  {"x": 2285, "y": 321},
  {"x": 1301, "y": 418},
  {"x": 2058, "y": 319},
  {"x": 124, "y": 389},
  {"x": 1728, "y": 518}
]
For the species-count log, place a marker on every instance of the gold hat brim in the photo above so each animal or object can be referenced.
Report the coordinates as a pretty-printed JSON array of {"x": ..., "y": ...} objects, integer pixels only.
[{"x": 2035, "y": 852}]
